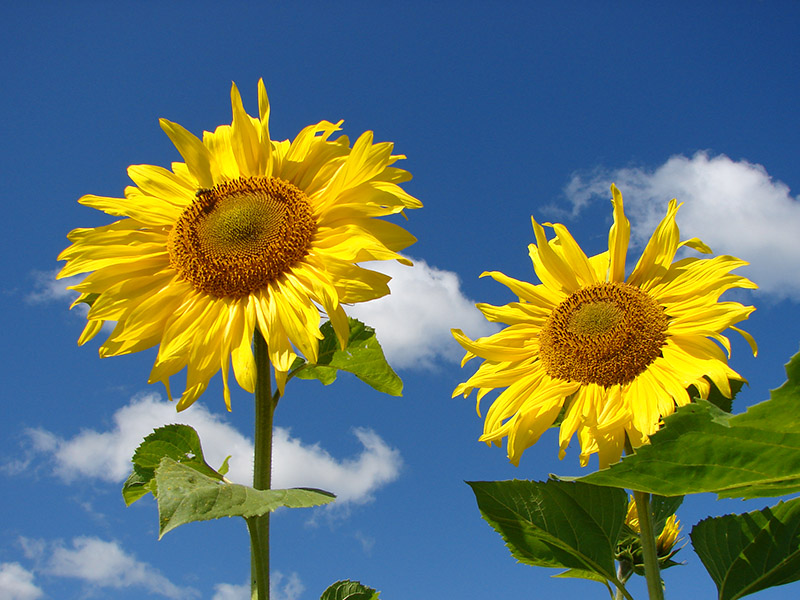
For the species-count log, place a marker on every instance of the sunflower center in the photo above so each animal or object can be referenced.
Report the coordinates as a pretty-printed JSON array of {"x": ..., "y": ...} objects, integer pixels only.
[
  {"x": 238, "y": 236},
  {"x": 606, "y": 333}
]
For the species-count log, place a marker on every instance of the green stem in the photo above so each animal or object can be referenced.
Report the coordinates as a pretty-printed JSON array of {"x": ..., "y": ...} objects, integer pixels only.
[
  {"x": 624, "y": 572},
  {"x": 262, "y": 470},
  {"x": 648, "y": 540},
  {"x": 258, "y": 586}
]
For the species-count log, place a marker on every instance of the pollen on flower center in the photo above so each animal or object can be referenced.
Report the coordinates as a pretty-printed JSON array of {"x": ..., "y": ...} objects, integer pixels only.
[
  {"x": 606, "y": 333},
  {"x": 238, "y": 236}
]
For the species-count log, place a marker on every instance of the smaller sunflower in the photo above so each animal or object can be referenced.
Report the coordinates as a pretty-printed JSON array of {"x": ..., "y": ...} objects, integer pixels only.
[
  {"x": 666, "y": 540},
  {"x": 248, "y": 234},
  {"x": 611, "y": 356}
]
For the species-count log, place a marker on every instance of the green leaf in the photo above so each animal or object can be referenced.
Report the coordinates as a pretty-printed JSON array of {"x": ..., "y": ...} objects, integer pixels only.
[
  {"x": 349, "y": 590},
  {"x": 751, "y": 552},
  {"x": 703, "y": 449},
  {"x": 559, "y": 524},
  {"x": 363, "y": 357},
  {"x": 180, "y": 443},
  {"x": 186, "y": 495}
]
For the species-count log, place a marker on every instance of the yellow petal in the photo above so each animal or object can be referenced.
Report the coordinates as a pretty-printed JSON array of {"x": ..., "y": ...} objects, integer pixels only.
[
  {"x": 618, "y": 239},
  {"x": 244, "y": 137},
  {"x": 199, "y": 160}
]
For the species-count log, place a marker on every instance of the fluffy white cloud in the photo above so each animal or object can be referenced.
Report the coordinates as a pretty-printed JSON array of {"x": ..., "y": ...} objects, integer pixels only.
[
  {"x": 102, "y": 564},
  {"x": 733, "y": 206},
  {"x": 352, "y": 480},
  {"x": 16, "y": 583},
  {"x": 106, "y": 455},
  {"x": 413, "y": 322}
]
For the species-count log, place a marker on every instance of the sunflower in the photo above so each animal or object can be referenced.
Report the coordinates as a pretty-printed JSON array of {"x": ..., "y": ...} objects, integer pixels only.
[
  {"x": 247, "y": 234},
  {"x": 608, "y": 355}
]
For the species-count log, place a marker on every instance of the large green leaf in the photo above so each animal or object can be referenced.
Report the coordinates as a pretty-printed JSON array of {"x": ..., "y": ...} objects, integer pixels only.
[
  {"x": 703, "y": 449},
  {"x": 185, "y": 495},
  {"x": 349, "y": 590},
  {"x": 751, "y": 552},
  {"x": 573, "y": 526},
  {"x": 180, "y": 443},
  {"x": 363, "y": 357}
]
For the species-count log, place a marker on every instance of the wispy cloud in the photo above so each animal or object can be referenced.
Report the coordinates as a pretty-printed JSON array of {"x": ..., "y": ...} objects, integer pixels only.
[
  {"x": 413, "y": 323},
  {"x": 733, "y": 206},
  {"x": 105, "y": 455},
  {"x": 281, "y": 587},
  {"x": 46, "y": 288},
  {"x": 285, "y": 587},
  {"x": 16, "y": 583},
  {"x": 101, "y": 565},
  {"x": 230, "y": 591}
]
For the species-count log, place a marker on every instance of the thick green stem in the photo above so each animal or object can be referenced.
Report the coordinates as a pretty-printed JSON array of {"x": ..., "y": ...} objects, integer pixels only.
[
  {"x": 648, "y": 540},
  {"x": 262, "y": 470},
  {"x": 259, "y": 587}
]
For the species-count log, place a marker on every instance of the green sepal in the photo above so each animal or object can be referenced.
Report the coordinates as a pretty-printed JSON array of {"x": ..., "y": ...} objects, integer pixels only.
[
  {"x": 178, "y": 442},
  {"x": 223, "y": 468},
  {"x": 564, "y": 525},
  {"x": 748, "y": 553},
  {"x": 363, "y": 357},
  {"x": 704, "y": 449},
  {"x": 89, "y": 299},
  {"x": 184, "y": 495},
  {"x": 349, "y": 590},
  {"x": 716, "y": 397}
]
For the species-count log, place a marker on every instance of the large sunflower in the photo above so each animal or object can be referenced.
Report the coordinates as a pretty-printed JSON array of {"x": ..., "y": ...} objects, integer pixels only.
[
  {"x": 611, "y": 355},
  {"x": 247, "y": 233}
]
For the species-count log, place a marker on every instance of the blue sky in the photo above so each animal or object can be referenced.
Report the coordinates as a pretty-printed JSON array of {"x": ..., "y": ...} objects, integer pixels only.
[{"x": 504, "y": 110}]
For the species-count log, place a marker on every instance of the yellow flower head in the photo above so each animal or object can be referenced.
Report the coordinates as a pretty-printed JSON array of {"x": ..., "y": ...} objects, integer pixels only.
[
  {"x": 611, "y": 355},
  {"x": 246, "y": 233},
  {"x": 666, "y": 539}
]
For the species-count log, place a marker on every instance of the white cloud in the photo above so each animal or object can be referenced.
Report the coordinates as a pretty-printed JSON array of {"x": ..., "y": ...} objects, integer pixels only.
[
  {"x": 106, "y": 455},
  {"x": 285, "y": 588},
  {"x": 281, "y": 587},
  {"x": 102, "y": 564},
  {"x": 230, "y": 591},
  {"x": 46, "y": 288},
  {"x": 413, "y": 322},
  {"x": 352, "y": 480},
  {"x": 733, "y": 206},
  {"x": 16, "y": 583}
]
